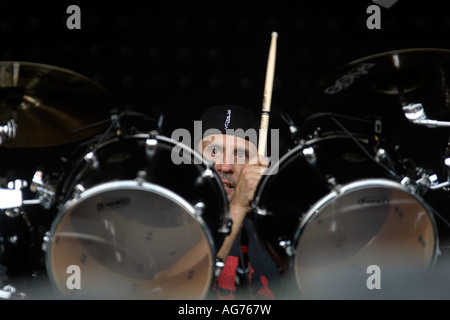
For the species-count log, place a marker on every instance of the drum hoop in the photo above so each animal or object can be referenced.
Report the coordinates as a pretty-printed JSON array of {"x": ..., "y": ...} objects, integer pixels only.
[
  {"x": 120, "y": 185},
  {"x": 195, "y": 153},
  {"x": 361, "y": 184},
  {"x": 199, "y": 159},
  {"x": 291, "y": 153}
]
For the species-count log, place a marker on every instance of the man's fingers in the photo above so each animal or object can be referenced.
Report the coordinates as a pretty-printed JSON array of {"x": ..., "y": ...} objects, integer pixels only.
[{"x": 263, "y": 161}]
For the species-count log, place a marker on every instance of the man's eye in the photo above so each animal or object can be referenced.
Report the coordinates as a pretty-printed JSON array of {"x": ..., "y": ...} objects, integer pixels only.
[
  {"x": 214, "y": 151},
  {"x": 241, "y": 155}
]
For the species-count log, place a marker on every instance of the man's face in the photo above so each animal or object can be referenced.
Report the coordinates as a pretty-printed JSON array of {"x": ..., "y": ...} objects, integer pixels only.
[{"x": 230, "y": 154}]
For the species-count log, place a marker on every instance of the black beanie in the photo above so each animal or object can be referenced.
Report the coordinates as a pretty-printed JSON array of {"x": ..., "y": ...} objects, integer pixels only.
[{"x": 231, "y": 118}]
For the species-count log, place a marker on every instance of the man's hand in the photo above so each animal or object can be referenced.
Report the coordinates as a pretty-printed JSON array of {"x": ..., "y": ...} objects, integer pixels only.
[{"x": 245, "y": 189}]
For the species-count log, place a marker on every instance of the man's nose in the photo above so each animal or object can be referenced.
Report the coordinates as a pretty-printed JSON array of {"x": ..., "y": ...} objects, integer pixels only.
[{"x": 226, "y": 165}]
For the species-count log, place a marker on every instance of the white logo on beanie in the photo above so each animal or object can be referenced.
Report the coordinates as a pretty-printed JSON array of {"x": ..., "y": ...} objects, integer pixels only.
[{"x": 228, "y": 119}]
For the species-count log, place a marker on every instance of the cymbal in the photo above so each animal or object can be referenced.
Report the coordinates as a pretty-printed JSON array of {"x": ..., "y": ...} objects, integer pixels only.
[
  {"x": 379, "y": 85},
  {"x": 47, "y": 103}
]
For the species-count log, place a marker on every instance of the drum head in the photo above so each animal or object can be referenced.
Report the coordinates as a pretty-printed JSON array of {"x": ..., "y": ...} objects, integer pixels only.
[
  {"x": 368, "y": 222},
  {"x": 130, "y": 241}
]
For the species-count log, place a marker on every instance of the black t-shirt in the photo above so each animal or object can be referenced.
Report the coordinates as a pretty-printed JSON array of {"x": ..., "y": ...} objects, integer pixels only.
[{"x": 247, "y": 257}]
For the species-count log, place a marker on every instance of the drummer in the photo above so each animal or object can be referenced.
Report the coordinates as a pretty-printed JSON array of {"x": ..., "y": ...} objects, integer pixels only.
[{"x": 248, "y": 271}]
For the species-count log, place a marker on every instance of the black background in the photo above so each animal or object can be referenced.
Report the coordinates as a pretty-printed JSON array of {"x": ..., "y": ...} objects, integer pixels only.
[
  {"x": 184, "y": 56},
  {"x": 181, "y": 57}
]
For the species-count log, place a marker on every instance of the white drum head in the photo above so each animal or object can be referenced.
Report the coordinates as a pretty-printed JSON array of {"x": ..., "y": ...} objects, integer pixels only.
[
  {"x": 130, "y": 241},
  {"x": 369, "y": 222}
]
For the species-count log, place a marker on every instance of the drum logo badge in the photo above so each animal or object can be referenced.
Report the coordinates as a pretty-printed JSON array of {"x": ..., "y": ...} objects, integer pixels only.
[
  {"x": 113, "y": 203},
  {"x": 373, "y": 201}
]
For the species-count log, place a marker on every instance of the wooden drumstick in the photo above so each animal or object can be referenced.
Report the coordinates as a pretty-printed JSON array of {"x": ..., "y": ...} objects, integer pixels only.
[{"x": 267, "y": 99}]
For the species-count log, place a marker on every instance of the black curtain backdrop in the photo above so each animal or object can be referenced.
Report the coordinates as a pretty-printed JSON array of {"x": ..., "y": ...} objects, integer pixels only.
[
  {"x": 184, "y": 56},
  {"x": 179, "y": 57}
]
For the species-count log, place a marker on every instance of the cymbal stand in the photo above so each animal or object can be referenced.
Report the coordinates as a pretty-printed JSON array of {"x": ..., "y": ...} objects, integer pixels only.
[{"x": 415, "y": 113}]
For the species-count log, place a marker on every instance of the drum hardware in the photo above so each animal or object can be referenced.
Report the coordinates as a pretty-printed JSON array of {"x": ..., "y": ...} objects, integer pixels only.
[
  {"x": 8, "y": 132},
  {"x": 415, "y": 113},
  {"x": 380, "y": 155},
  {"x": 10, "y": 292},
  {"x": 151, "y": 143},
  {"x": 431, "y": 181},
  {"x": 258, "y": 210},
  {"x": 219, "y": 265},
  {"x": 91, "y": 159},
  {"x": 45, "y": 241},
  {"x": 225, "y": 228},
  {"x": 11, "y": 199},
  {"x": 442, "y": 185},
  {"x": 310, "y": 155},
  {"x": 378, "y": 126},
  {"x": 78, "y": 190},
  {"x": 427, "y": 182},
  {"x": 422, "y": 182},
  {"x": 287, "y": 246},
  {"x": 45, "y": 191},
  {"x": 293, "y": 128},
  {"x": 206, "y": 174},
  {"x": 333, "y": 185},
  {"x": 7, "y": 291},
  {"x": 242, "y": 279},
  {"x": 409, "y": 184},
  {"x": 199, "y": 208},
  {"x": 141, "y": 177}
]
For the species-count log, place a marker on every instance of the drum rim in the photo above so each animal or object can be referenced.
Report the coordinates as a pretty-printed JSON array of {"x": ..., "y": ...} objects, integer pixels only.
[
  {"x": 116, "y": 138},
  {"x": 271, "y": 172},
  {"x": 358, "y": 185},
  {"x": 132, "y": 185},
  {"x": 199, "y": 160}
]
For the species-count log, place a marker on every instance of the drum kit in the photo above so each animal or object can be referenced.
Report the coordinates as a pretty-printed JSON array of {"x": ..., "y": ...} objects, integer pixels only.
[
  {"x": 119, "y": 213},
  {"x": 354, "y": 187},
  {"x": 118, "y": 219}
]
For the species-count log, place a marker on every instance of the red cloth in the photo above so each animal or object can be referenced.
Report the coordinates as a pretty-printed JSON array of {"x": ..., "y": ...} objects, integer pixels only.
[{"x": 226, "y": 286}]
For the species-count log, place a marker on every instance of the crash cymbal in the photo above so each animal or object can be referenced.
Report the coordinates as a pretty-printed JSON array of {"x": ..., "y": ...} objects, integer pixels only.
[
  {"x": 47, "y": 103},
  {"x": 379, "y": 85}
]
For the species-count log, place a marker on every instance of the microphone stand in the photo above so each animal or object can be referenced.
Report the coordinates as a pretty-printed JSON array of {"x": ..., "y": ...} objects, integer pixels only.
[{"x": 243, "y": 268}]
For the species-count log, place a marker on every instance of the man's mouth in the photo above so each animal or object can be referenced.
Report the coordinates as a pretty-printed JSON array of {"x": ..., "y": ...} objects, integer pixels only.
[{"x": 228, "y": 186}]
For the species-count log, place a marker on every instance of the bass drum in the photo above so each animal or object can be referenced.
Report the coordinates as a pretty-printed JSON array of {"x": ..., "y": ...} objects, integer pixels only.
[
  {"x": 328, "y": 214},
  {"x": 141, "y": 217}
]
